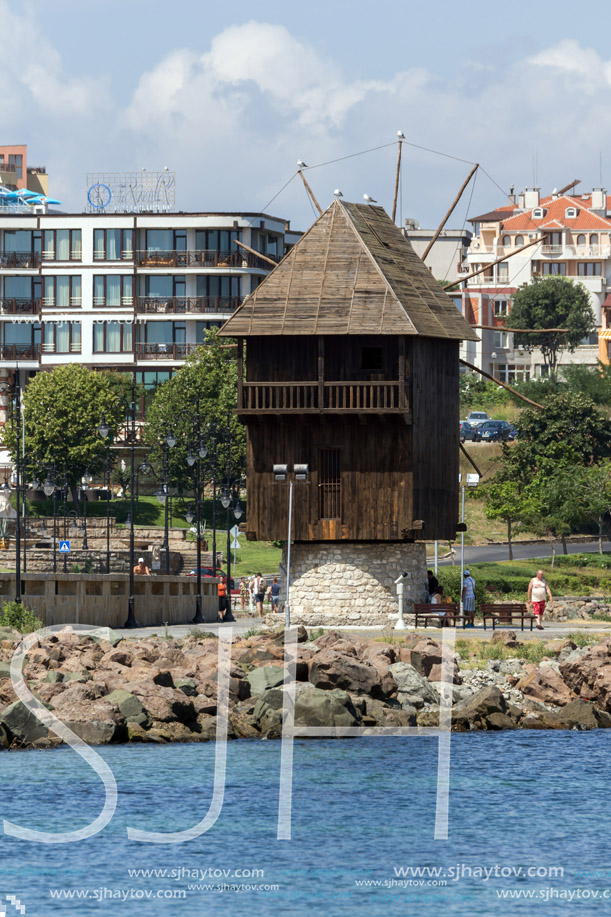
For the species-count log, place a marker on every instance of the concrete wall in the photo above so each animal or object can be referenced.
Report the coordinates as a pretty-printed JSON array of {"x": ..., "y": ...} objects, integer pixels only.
[{"x": 103, "y": 600}]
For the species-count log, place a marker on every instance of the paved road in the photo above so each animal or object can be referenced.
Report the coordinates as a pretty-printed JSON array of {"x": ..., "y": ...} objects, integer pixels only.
[{"x": 488, "y": 553}]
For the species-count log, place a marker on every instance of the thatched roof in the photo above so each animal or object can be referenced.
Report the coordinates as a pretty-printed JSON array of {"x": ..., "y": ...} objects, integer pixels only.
[{"x": 353, "y": 272}]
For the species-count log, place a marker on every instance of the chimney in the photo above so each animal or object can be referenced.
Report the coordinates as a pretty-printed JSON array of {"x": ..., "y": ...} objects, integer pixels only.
[
  {"x": 599, "y": 199},
  {"x": 521, "y": 204},
  {"x": 531, "y": 198},
  {"x": 511, "y": 196}
]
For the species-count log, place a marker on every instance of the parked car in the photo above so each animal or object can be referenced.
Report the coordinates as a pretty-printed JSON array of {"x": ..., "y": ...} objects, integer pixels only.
[
  {"x": 208, "y": 573},
  {"x": 494, "y": 431},
  {"x": 513, "y": 433},
  {"x": 468, "y": 431},
  {"x": 475, "y": 418}
]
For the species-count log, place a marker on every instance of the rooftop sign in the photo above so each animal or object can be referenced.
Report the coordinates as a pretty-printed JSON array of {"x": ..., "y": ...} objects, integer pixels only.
[{"x": 131, "y": 192}]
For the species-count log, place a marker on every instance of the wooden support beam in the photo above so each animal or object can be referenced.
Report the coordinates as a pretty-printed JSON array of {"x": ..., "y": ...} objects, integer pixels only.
[
  {"x": 258, "y": 254},
  {"x": 310, "y": 192},
  {"x": 483, "y": 372},
  {"x": 397, "y": 175},
  {"x": 516, "y": 251},
  {"x": 449, "y": 213},
  {"x": 469, "y": 459},
  {"x": 524, "y": 330}
]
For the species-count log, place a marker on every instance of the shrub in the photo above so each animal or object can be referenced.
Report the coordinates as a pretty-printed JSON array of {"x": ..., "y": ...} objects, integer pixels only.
[
  {"x": 449, "y": 577},
  {"x": 16, "y": 615}
]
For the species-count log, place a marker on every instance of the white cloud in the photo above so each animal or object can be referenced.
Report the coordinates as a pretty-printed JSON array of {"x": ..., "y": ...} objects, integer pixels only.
[{"x": 33, "y": 70}]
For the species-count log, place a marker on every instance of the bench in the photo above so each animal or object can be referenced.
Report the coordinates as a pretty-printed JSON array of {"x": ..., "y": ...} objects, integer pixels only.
[
  {"x": 434, "y": 614},
  {"x": 507, "y": 614}
]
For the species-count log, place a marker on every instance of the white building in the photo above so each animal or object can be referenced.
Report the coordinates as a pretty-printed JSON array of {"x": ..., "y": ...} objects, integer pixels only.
[
  {"x": 124, "y": 291},
  {"x": 576, "y": 243},
  {"x": 447, "y": 254}
]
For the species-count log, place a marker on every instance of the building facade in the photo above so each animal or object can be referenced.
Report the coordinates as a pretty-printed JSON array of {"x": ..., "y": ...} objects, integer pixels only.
[
  {"x": 447, "y": 255},
  {"x": 575, "y": 243},
  {"x": 124, "y": 291}
]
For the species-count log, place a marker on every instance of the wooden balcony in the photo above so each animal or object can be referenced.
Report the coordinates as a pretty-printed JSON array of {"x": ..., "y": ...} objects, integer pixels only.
[
  {"x": 202, "y": 259},
  {"x": 16, "y": 352},
  {"x": 19, "y": 306},
  {"x": 172, "y": 352},
  {"x": 19, "y": 259},
  {"x": 185, "y": 305},
  {"x": 389, "y": 397}
]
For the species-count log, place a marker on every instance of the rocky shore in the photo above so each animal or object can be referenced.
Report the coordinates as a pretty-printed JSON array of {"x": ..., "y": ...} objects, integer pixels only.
[{"x": 162, "y": 690}]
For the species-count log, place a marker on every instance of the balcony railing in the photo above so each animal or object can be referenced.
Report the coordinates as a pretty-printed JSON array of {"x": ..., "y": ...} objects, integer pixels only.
[
  {"x": 76, "y": 254},
  {"x": 181, "y": 305},
  {"x": 19, "y": 259},
  {"x": 164, "y": 351},
  {"x": 338, "y": 397},
  {"x": 19, "y": 352},
  {"x": 19, "y": 306},
  {"x": 551, "y": 249},
  {"x": 208, "y": 258}
]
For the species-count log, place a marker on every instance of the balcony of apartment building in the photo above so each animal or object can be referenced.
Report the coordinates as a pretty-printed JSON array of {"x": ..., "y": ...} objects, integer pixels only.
[
  {"x": 162, "y": 350},
  {"x": 187, "y": 305},
  {"x": 213, "y": 249}
]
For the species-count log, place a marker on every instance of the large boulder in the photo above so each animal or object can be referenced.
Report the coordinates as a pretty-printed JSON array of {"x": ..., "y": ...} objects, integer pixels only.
[
  {"x": 330, "y": 669},
  {"x": 474, "y": 713},
  {"x": 589, "y": 674},
  {"x": 334, "y": 640},
  {"x": 129, "y": 706},
  {"x": 264, "y": 678},
  {"x": 413, "y": 689},
  {"x": 315, "y": 707},
  {"x": 545, "y": 685},
  {"x": 578, "y": 714},
  {"x": 21, "y": 724},
  {"x": 165, "y": 704}
]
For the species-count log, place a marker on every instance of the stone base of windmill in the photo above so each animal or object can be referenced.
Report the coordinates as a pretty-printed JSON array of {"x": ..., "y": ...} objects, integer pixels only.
[{"x": 352, "y": 583}]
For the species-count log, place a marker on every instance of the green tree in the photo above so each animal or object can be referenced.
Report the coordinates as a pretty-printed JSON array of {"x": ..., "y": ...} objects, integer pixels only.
[
  {"x": 62, "y": 411},
  {"x": 593, "y": 381},
  {"x": 552, "y": 302},
  {"x": 506, "y": 500},
  {"x": 569, "y": 430},
  {"x": 210, "y": 374},
  {"x": 556, "y": 505},
  {"x": 594, "y": 487}
]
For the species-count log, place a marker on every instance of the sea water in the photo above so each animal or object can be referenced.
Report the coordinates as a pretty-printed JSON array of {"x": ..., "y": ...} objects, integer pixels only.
[{"x": 529, "y": 829}]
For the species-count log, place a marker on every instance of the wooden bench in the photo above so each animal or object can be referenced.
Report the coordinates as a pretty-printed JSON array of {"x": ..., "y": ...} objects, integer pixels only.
[
  {"x": 448, "y": 614},
  {"x": 507, "y": 614}
]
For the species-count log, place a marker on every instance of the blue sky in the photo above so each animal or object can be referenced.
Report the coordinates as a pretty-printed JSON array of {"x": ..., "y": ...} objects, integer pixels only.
[{"x": 231, "y": 95}]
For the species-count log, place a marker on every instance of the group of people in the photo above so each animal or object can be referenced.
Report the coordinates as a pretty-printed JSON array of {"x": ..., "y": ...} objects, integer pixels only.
[
  {"x": 258, "y": 589},
  {"x": 538, "y": 591}
]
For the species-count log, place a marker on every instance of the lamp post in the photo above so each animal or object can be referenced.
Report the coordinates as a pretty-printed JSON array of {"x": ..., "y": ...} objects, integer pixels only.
[
  {"x": 280, "y": 475},
  {"x": 472, "y": 480},
  {"x": 17, "y": 413},
  {"x": 103, "y": 431},
  {"x": 162, "y": 494},
  {"x": 50, "y": 490},
  {"x": 194, "y": 458},
  {"x": 85, "y": 482}
]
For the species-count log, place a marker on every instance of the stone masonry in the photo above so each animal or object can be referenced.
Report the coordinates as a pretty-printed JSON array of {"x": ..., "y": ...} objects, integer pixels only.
[{"x": 353, "y": 583}]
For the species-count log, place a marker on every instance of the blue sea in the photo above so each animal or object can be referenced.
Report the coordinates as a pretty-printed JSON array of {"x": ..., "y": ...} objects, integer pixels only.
[{"x": 529, "y": 829}]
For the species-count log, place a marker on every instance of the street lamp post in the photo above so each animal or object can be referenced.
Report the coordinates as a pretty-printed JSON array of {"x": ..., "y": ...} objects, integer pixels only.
[
  {"x": 280, "y": 474},
  {"x": 163, "y": 492},
  {"x": 195, "y": 459},
  {"x": 85, "y": 482},
  {"x": 50, "y": 490},
  {"x": 472, "y": 480},
  {"x": 104, "y": 431}
]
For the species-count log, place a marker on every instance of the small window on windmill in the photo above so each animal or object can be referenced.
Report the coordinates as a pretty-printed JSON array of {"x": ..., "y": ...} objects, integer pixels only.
[
  {"x": 329, "y": 484},
  {"x": 372, "y": 360}
]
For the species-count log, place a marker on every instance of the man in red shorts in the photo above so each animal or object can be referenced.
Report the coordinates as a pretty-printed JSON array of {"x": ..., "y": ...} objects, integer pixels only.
[{"x": 537, "y": 591}]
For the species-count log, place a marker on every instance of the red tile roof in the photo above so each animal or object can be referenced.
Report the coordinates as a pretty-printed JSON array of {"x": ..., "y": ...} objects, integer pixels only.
[{"x": 554, "y": 214}]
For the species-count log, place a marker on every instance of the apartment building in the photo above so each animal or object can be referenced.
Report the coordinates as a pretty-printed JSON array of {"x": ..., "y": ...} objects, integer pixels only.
[
  {"x": 17, "y": 175},
  {"x": 124, "y": 291},
  {"x": 445, "y": 258},
  {"x": 576, "y": 243}
]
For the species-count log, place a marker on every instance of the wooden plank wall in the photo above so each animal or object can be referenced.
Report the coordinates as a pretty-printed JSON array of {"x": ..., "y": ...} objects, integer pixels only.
[
  {"x": 435, "y": 411},
  {"x": 376, "y": 477},
  {"x": 288, "y": 359}
]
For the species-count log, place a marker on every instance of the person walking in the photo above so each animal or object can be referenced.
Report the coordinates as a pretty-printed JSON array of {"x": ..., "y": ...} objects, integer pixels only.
[
  {"x": 468, "y": 598},
  {"x": 259, "y": 593},
  {"x": 274, "y": 593},
  {"x": 243, "y": 594},
  {"x": 537, "y": 591},
  {"x": 222, "y": 597}
]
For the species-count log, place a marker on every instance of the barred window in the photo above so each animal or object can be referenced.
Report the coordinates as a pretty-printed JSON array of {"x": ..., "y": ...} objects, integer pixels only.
[{"x": 329, "y": 484}]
